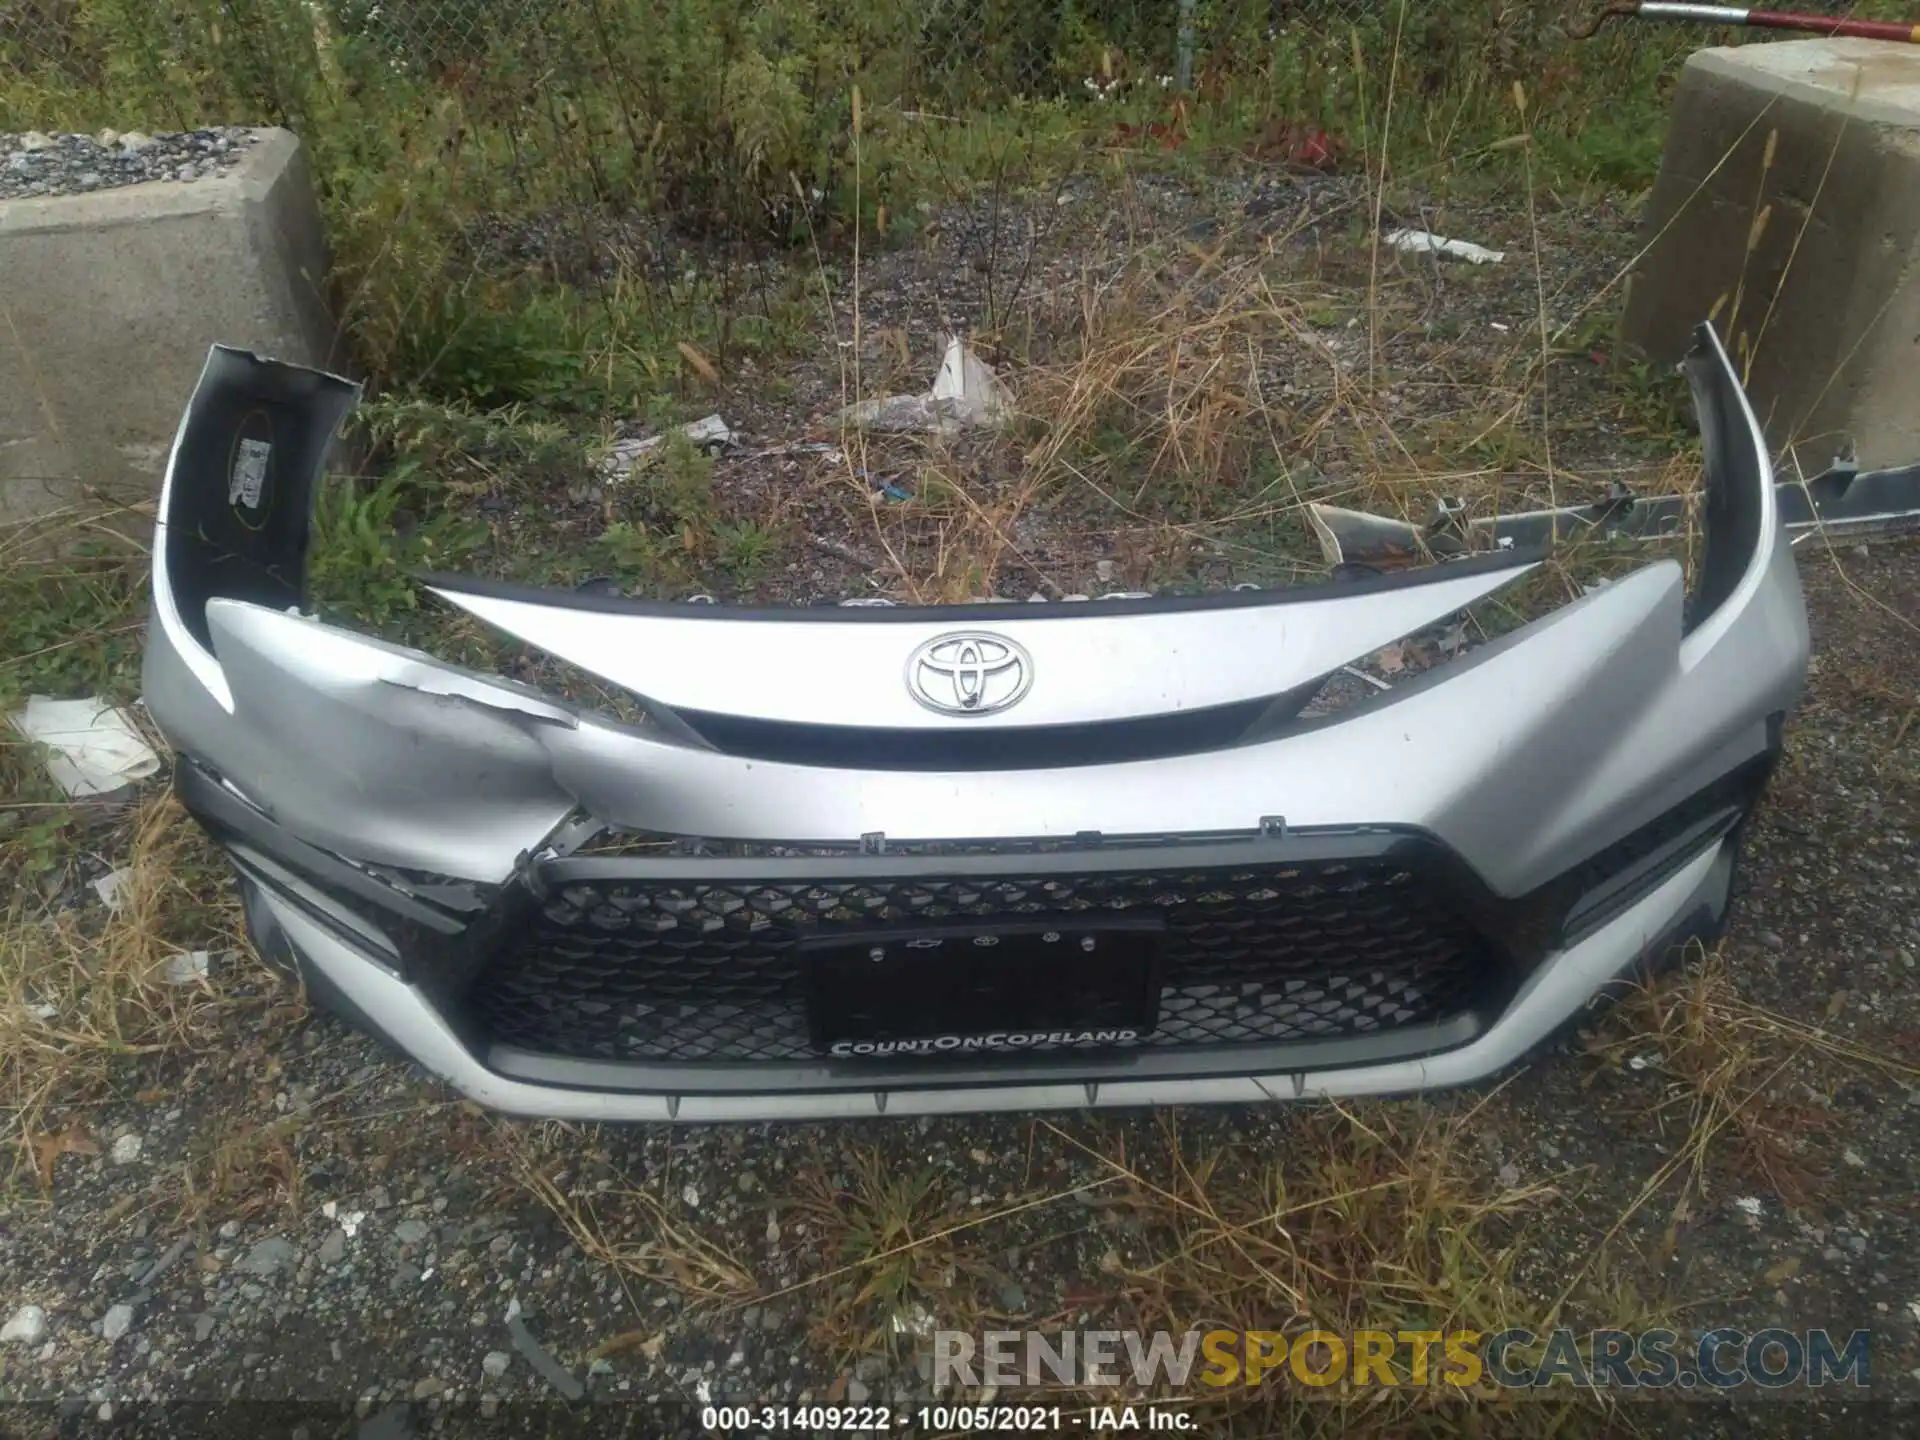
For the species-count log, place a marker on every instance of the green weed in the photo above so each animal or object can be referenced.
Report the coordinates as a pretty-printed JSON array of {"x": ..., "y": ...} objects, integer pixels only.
[
  {"x": 368, "y": 542},
  {"x": 71, "y": 623},
  {"x": 746, "y": 547},
  {"x": 631, "y": 548}
]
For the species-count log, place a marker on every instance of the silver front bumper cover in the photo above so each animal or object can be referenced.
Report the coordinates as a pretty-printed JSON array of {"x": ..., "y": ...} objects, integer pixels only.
[{"x": 391, "y": 775}]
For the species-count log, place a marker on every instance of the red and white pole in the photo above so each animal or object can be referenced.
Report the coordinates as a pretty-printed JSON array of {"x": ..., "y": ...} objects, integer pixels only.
[{"x": 1768, "y": 20}]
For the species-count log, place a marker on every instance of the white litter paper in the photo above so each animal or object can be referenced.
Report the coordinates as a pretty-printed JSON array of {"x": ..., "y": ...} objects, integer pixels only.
[
  {"x": 95, "y": 749},
  {"x": 188, "y": 967},
  {"x": 1425, "y": 242},
  {"x": 914, "y": 1320},
  {"x": 967, "y": 387},
  {"x": 896, "y": 414},
  {"x": 965, "y": 393},
  {"x": 110, "y": 885},
  {"x": 710, "y": 434}
]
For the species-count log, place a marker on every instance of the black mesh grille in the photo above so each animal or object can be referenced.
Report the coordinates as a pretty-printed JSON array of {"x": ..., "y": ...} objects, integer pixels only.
[{"x": 653, "y": 970}]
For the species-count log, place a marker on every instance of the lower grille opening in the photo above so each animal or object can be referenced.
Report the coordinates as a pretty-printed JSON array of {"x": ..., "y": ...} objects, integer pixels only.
[
  {"x": 671, "y": 970},
  {"x": 1611, "y": 881}
]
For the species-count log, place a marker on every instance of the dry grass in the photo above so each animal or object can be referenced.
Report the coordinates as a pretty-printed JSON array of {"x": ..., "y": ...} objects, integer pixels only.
[
  {"x": 1382, "y": 1216},
  {"x": 245, "y": 1172},
  {"x": 1726, "y": 1094},
  {"x": 1165, "y": 374},
  {"x": 84, "y": 988},
  {"x": 1737, "y": 1099},
  {"x": 638, "y": 1231},
  {"x": 1373, "y": 1217},
  {"x": 1182, "y": 401},
  {"x": 1875, "y": 690},
  {"x": 892, "y": 1238},
  {"x": 1187, "y": 383},
  {"x": 88, "y": 1009}
]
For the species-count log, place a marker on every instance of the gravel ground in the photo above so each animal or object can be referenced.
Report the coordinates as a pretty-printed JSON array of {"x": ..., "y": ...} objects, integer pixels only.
[
  {"x": 34, "y": 163},
  {"x": 298, "y": 1217}
]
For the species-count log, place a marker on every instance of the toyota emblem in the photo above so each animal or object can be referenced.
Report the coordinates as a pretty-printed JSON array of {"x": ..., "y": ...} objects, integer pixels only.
[{"x": 969, "y": 672}]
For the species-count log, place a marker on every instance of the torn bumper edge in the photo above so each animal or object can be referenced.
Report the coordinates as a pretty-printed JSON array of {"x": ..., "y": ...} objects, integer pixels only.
[{"x": 404, "y": 761}]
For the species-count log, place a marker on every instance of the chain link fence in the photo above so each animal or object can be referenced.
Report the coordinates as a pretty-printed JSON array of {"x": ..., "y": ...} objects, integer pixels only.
[
  {"x": 933, "y": 50},
  {"x": 707, "y": 94},
  {"x": 771, "y": 83},
  {"x": 249, "y": 60}
]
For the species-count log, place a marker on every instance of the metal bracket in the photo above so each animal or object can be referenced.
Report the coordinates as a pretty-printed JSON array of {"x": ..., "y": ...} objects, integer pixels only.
[{"x": 1840, "y": 501}]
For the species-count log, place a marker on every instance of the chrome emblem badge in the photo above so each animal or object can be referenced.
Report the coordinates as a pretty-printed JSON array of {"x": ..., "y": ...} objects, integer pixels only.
[{"x": 969, "y": 672}]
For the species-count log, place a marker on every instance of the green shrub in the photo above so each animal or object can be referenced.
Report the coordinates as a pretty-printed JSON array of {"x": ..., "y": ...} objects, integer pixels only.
[{"x": 434, "y": 123}]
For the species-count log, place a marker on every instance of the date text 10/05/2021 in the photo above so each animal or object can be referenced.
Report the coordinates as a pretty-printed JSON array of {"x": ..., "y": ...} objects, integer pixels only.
[
  {"x": 1198, "y": 1364},
  {"x": 946, "y": 1419}
]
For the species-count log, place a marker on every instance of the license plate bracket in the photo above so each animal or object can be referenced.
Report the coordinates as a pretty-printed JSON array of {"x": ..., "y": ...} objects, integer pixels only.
[{"x": 1040, "y": 985}]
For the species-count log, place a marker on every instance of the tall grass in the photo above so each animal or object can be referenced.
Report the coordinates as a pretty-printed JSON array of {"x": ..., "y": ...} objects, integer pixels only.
[{"x": 443, "y": 134}]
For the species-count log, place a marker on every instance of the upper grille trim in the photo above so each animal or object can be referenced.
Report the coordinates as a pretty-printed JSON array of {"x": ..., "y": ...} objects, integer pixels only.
[
  {"x": 1036, "y": 747},
  {"x": 1086, "y": 668},
  {"x": 1006, "y": 857}
]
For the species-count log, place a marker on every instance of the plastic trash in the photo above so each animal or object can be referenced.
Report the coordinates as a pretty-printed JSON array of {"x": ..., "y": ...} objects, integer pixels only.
[
  {"x": 967, "y": 386},
  {"x": 110, "y": 885},
  {"x": 1425, "y": 242},
  {"x": 188, "y": 967},
  {"x": 711, "y": 434},
  {"x": 95, "y": 749},
  {"x": 896, "y": 414},
  {"x": 965, "y": 394}
]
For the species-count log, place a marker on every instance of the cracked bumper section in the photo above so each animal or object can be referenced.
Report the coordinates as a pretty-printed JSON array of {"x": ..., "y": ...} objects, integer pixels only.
[{"x": 565, "y": 915}]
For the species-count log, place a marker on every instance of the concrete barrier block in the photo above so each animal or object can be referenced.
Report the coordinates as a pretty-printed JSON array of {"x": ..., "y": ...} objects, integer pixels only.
[
  {"x": 1788, "y": 208},
  {"x": 109, "y": 300}
]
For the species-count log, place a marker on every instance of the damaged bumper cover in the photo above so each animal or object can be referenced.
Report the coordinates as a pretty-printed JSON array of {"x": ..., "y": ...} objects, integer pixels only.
[{"x": 907, "y": 860}]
